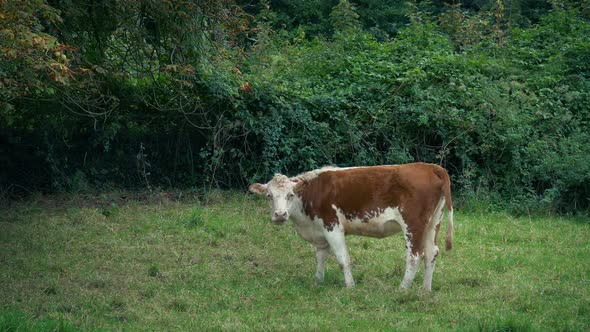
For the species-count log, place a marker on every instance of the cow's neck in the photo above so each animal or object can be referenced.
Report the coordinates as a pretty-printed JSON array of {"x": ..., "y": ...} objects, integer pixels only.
[{"x": 296, "y": 212}]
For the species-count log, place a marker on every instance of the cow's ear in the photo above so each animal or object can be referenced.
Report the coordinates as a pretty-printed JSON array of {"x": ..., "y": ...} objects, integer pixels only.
[{"x": 258, "y": 188}]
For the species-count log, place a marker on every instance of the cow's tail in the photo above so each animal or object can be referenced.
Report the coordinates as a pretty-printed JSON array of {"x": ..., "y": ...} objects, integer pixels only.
[
  {"x": 449, "y": 204},
  {"x": 449, "y": 235}
]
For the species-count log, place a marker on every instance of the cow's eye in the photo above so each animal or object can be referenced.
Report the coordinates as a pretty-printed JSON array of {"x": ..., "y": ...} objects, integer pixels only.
[
  {"x": 268, "y": 195},
  {"x": 290, "y": 196}
]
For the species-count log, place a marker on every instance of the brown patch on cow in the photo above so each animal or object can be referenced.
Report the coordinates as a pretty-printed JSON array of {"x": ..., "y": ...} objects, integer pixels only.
[
  {"x": 414, "y": 188},
  {"x": 436, "y": 231}
]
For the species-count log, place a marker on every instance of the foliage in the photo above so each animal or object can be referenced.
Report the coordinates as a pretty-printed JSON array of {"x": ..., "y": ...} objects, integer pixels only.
[
  {"x": 31, "y": 58},
  {"x": 212, "y": 94},
  {"x": 484, "y": 113},
  {"x": 344, "y": 18},
  {"x": 138, "y": 87}
]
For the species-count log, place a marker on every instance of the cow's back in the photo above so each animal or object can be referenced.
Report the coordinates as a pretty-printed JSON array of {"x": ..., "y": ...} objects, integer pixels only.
[{"x": 361, "y": 191}]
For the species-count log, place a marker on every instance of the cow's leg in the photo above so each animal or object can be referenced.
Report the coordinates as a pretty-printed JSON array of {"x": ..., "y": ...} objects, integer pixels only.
[
  {"x": 429, "y": 262},
  {"x": 321, "y": 255},
  {"x": 412, "y": 265},
  {"x": 430, "y": 248},
  {"x": 335, "y": 238},
  {"x": 413, "y": 257},
  {"x": 430, "y": 253}
]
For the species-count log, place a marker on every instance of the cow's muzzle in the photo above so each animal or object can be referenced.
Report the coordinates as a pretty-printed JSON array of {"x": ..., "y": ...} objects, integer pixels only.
[{"x": 279, "y": 218}]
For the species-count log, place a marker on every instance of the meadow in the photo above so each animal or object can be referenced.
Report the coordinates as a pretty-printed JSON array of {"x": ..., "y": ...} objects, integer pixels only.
[{"x": 163, "y": 262}]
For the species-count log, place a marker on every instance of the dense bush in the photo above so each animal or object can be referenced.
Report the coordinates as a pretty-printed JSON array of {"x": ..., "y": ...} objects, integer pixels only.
[
  {"x": 220, "y": 97},
  {"x": 511, "y": 119}
]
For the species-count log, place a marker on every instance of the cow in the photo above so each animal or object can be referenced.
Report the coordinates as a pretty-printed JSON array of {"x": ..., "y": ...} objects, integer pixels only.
[{"x": 329, "y": 203}]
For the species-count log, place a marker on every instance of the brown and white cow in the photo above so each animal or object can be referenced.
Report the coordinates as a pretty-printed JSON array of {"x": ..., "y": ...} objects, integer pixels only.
[{"x": 379, "y": 201}]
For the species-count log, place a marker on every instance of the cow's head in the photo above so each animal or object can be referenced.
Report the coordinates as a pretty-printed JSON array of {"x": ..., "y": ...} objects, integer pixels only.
[{"x": 280, "y": 191}]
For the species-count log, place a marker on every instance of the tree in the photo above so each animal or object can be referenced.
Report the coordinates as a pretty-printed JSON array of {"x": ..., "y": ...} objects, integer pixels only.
[
  {"x": 344, "y": 18},
  {"x": 31, "y": 60}
]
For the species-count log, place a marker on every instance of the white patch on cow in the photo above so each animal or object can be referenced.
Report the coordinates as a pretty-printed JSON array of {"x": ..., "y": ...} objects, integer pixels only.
[
  {"x": 306, "y": 176},
  {"x": 378, "y": 223},
  {"x": 407, "y": 235},
  {"x": 339, "y": 214},
  {"x": 296, "y": 208},
  {"x": 308, "y": 229},
  {"x": 310, "y": 175}
]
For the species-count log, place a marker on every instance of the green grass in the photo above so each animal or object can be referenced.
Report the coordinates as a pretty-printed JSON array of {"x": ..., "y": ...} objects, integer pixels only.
[{"x": 163, "y": 265}]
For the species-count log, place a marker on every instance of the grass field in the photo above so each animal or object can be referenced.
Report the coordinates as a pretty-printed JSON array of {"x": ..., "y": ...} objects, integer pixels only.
[{"x": 111, "y": 262}]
